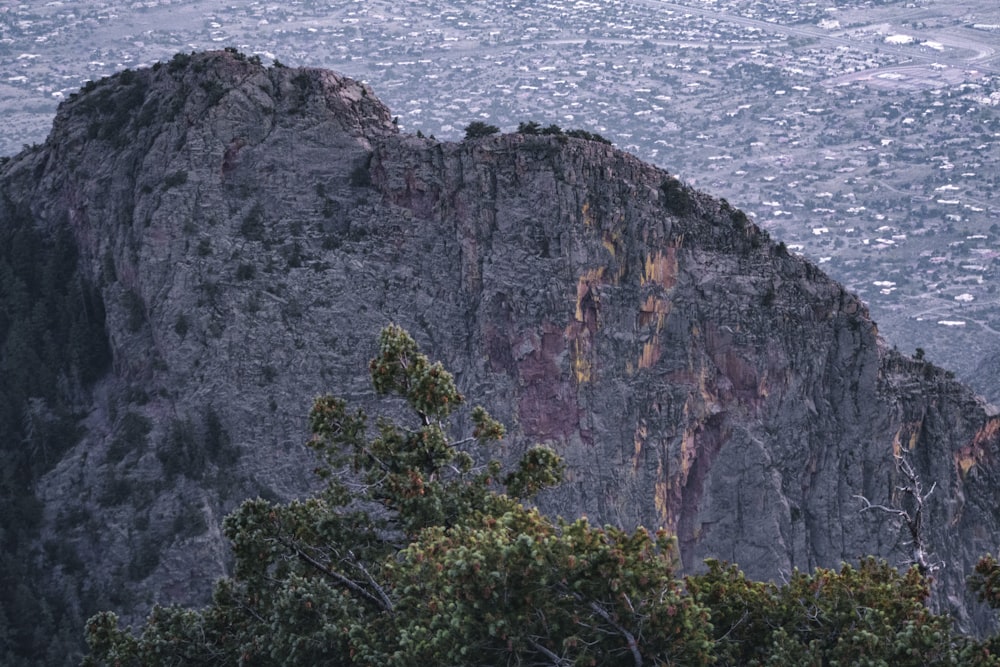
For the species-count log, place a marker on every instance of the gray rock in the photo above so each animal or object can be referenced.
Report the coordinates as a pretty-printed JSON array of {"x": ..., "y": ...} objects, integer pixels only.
[{"x": 253, "y": 229}]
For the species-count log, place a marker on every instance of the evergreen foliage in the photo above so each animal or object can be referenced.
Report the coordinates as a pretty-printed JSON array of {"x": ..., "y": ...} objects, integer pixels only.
[
  {"x": 985, "y": 581},
  {"x": 866, "y": 615},
  {"x": 52, "y": 346},
  {"x": 530, "y": 127},
  {"x": 589, "y": 136},
  {"x": 676, "y": 197},
  {"x": 533, "y": 128},
  {"x": 478, "y": 129},
  {"x": 412, "y": 554}
]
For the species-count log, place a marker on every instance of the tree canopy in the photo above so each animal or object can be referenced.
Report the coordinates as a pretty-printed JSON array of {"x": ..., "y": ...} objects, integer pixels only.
[
  {"x": 477, "y": 129},
  {"x": 412, "y": 553}
]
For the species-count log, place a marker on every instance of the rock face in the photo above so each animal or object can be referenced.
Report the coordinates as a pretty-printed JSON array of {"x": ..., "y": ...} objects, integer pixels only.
[{"x": 251, "y": 230}]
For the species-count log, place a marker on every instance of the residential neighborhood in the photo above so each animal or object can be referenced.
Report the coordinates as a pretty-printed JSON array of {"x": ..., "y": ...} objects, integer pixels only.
[{"x": 863, "y": 134}]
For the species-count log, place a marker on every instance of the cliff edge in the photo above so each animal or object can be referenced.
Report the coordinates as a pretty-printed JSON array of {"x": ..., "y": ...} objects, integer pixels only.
[{"x": 249, "y": 230}]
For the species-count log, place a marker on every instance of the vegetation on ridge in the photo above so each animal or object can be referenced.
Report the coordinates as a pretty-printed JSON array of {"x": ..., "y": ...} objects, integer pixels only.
[
  {"x": 477, "y": 129},
  {"x": 414, "y": 554},
  {"x": 52, "y": 346}
]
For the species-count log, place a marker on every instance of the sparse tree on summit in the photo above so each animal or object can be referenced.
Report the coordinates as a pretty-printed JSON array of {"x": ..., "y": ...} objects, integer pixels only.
[
  {"x": 531, "y": 127},
  {"x": 477, "y": 129}
]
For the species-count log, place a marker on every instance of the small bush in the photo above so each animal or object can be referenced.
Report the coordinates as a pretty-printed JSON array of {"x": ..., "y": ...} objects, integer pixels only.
[
  {"x": 740, "y": 218},
  {"x": 179, "y": 62},
  {"x": 190, "y": 522},
  {"x": 145, "y": 559},
  {"x": 182, "y": 325},
  {"x": 133, "y": 395},
  {"x": 217, "y": 442},
  {"x": 589, "y": 136},
  {"x": 675, "y": 196},
  {"x": 293, "y": 255},
  {"x": 135, "y": 426},
  {"x": 210, "y": 292},
  {"x": 246, "y": 272},
  {"x": 531, "y": 127},
  {"x": 135, "y": 311},
  {"x": 214, "y": 91},
  {"x": 73, "y": 516},
  {"x": 175, "y": 179},
  {"x": 360, "y": 176},
  {"x": 180, "y": 453},
  {"x": 331, "y": 207},
  {"x": 117, "y": 491},
  {"x": 131, "y": 436},
  {"x": 478, "y": 129},
  {"x": 252, "y": 227},
  {"x": 303, "y": 85},
  {"x": 252, "y": 304},
  {"x": 63, "y": 553}
]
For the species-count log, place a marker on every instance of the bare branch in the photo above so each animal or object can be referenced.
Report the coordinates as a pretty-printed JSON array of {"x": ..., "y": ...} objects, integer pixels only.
[
  {"x": 381, "y": 464},
  {"x": 387, "y": 603},
  {"x": 382, "y": 601},
  {"x": 248, "y": 609},
  {"x": 888, "y": 510},
  {"x": 741, "y": 621},
  {"x": 633, "y": 645},
  {"x": 914, "y": 518},
  {"x": 556, "y": 660}
]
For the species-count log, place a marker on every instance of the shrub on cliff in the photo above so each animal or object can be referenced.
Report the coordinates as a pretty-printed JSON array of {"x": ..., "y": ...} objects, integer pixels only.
[{"x": 477, "y": 129}]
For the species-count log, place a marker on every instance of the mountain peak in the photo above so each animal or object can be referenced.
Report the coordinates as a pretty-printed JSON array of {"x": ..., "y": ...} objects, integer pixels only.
[
  {"x": 190, "y": 86},
  {"x": 250, "y": 229}
]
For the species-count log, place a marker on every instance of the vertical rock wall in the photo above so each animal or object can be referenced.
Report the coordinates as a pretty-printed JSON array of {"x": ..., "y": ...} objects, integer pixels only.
[{"x": 252, "y": 229}]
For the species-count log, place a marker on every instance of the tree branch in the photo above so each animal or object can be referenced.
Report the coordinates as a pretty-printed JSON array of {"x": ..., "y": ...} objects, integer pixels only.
[
  {"x": 914, "y": 519},
  {"x": 888, "y": 510},
  {"x": 556, "y": 660},
  {"x": 250, "y": 610},
  {"x": 382, "y": 601},
  {"x": 633, "y": 645},
  {"x": 387, "y": 603}
]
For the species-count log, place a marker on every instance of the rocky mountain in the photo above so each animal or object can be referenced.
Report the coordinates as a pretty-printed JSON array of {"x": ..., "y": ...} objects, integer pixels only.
[{"x": 247, "y": 231}]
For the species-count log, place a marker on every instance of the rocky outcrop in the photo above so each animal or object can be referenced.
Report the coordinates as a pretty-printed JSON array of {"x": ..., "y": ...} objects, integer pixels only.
[{"x": 252, "y": 229}]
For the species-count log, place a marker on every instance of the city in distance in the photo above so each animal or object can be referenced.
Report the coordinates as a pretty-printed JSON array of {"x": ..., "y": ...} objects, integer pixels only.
[{"x": 865, "y": 135}]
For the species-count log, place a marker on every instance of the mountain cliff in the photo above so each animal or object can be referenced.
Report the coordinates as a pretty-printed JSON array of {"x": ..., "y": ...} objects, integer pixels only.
[{"x": 246, "y": 231}]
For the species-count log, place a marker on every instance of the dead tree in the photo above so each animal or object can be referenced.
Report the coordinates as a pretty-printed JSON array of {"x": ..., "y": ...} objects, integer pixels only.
[{"x": 911, "y": 493}]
